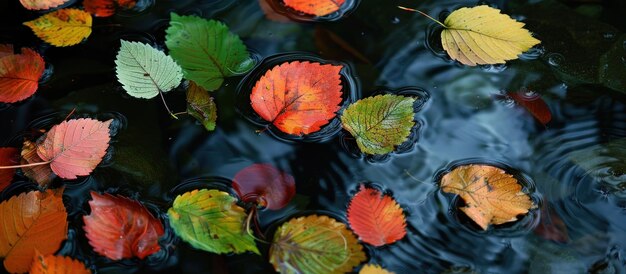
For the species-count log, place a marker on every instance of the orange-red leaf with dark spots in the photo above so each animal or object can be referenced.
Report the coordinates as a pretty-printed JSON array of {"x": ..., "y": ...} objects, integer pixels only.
[
  {"x": 533, "y": 104},
  {"x": 298, "y": 97},
  {"x": 41, "y": 174},
  {"x": 264, "y": 185},
  {"x": 8, "y": 157},
  {"x": 315, "y": 7},
  {"x": 19, "y": 74},
  {"x": 106, "y": 8},
  {"x": 50, "y": 264},
  {"x": 120, "y": 228},
  {"x": 376, "y": 218}
]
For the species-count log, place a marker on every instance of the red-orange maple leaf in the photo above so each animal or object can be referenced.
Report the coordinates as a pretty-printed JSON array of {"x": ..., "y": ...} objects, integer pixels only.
[
  {"x": 315, "y": 7},
  {"x": 376, "y": 218},
  {"x": 106, "y": 8},
  {"x": 298, "y": 97},
  {"x": 265, "y": 185},
  {"x": 19, "y": 73},
  {"x": 119, "y": 227}
]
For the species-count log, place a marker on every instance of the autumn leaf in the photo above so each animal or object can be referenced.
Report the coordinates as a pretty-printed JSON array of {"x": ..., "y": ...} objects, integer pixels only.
[
  {"x": 145, "y": 71},
  {"x": 491, "y": 195},
  {"x": 61, "y": 28},
  {"x": 50, "y": 264},
  {"x": 120, "y": 228},
  {"x": 298, "y": 97},
  {"x": 41, "y": 174},
  {"x": 315, "y": 7},
  {"x": 380, "y": 123},
  {"x": 551, "y": 226},
  {"x": 534, "y": 104},
  {"x": 373, "y": 269},
  {"x": 201, "y": 106},
  {"x": 8, "y": 157},
  {"x": 42, "y": 4},
  {"x": 212, "y": 221},
  {"x": 376, "y": 218},
  {"x": 315, "y": 244},
  {"x": 19, "y": 74},
  {"x": 206, "y": 50},
  {"x": 482, "y": 35},
  {"x": 106, "y": 8},
  {"x": 264, "y": 185},
  {"x": 28, "y": 222}
]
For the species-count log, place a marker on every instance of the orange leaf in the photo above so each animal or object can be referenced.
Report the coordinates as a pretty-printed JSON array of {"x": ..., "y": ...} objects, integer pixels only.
[
  {"x": 298, "y": 97},
  {"x": 8, "y": 157},
  {"x": 491, "y": 196},
  {"x": 315, "y": 7},
  {"x": 105, "y": 8},
  {"x": 28, "y": 222},
  {"x": 376, "y": 218},
  {"x": 42, "y": 174},
  {"x": 75, "y": 147},
  {"x": 42, "y": 4},
  {"x": 19, "y": 74},
  {"x": 50, "y": 264},
  {"x": 120, "y": 228}
]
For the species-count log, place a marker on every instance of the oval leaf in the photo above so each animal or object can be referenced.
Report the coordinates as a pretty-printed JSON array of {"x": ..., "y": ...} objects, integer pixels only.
[
  {"x": 491, "y": 195},
  {"x": 41, "y": 174},
  {"x": 374, "y": 269},
  {"x": 144, "y": 71},
  {"x": 298, "y": 97},
  {"x": 212, "y": 221},
  {"x": 376, "y": 218},
  {"x": 200, "y": 105},
  {"x": 315, "y": 244},
  {"x": 28, "y": 222},
  {"x": 482, "y": 35},
  {"x": 75, "y": 147},
  {"x": 206, "y": 50},
  {"x": 42, "y": 4},
  {"x": 264, "y": 185},
  {"x": 61, "y": 28},
  {"x": 50, "y": 264},
  {"x": 533, "y": 104},
  {"x": 8, "y": 157},
  {"x": 19, "y": 75},
  {"x": 380, "y": 123},
  {"x": 120, "y": 228},
  {"x": 315, "y": 7},
  {"x": 106, "y": 8}
]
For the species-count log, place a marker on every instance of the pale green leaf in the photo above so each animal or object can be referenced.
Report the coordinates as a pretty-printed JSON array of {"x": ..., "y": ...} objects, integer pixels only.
[
  {"x": 145, "y": 71},
  {"x": 201, "y": 106}
]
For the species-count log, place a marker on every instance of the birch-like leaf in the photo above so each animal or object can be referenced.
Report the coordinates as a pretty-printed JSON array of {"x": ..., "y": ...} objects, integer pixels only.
[{"x": 61, "y": 28}]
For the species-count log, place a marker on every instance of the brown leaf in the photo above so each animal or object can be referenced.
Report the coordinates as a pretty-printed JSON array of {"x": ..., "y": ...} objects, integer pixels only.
[{"x": 41, "y": 174}]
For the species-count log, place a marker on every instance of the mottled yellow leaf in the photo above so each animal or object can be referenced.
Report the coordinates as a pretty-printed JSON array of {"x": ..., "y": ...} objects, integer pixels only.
[
  {"x": 374, "y": 269},
  {"x": 61, "y": 28}
]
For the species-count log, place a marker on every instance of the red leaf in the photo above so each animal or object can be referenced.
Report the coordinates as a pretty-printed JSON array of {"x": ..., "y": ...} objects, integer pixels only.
[
  {"x": 298, "y": 97},
  {"x": 265, "y": 185},
  {"x": 8, "y": 157},
  {"x": 533, "y": 104},
  {"x": 19, "y": 74},
  {"x": 106, "y": 8},
  {"x": 119, "y": 227},
  {"x": 315, "y": 7},
  {"x": 376, "y": 218},
  {"x": 42, "y": 174},
  {"x": 75, "y": 147}
]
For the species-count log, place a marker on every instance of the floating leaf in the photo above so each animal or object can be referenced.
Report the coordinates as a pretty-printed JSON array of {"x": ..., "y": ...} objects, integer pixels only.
[
  {"x": 42, "y": 174},
  {"x": 264, "y": 185},
  {"x": 373, "y": 269},
  {"x": 42, "y": 4},
  {"x": 315, "y": 7},
  {"x": 19, "y": 74},
  {"x": 145, "y": 71},
  {"x": 315, "y": 244},
  {"x": 206, "y": 50},
  {"x": 380, "y": 123},
  {"x": 491, "y": 195},
  {"x": 28, "y": 222},
  {"x": 50, "y": 264},
  {"x": 8, "y": 157},
  {"x": 298, "y": 97},
  {"x": 106, "y": 8},
  {"x": 212, "y": 221},
  {"x": 61, "y": 28},
  {"x": 200, "y": 105},
  {"x": 120, "y": 228},
  {"x": 75, "y": 147},
  {"x": 376, "y": 218},
  {"x": 533, "y": 103}
]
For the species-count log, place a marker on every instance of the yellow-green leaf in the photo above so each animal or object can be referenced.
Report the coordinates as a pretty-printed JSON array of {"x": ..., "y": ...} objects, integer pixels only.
[
  {"x": 315, "y": 244},
  {"x": 61, "y": 28},
  {"x": 374, "y": 269}
]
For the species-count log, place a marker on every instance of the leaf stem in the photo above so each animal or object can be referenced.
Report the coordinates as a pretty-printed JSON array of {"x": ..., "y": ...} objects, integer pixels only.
[
  {"x": 422, "y": 13},
  {"x": 166, "y": 107},
  {"x": 181, "y": 113},
  {"x": 26, "y": 165}
]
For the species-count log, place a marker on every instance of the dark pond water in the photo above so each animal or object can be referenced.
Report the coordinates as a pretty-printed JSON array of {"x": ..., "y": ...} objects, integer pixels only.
[{"x": 575, "y": 165}]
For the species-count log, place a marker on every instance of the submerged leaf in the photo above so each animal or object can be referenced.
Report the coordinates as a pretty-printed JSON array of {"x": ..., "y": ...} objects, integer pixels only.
[
  {"x": 19, "y": 74},
  {"x": 212, "y": 221},
  {"x": 106, "y": 8},
  {"x": 315, "y": 7},
  {"x": 145, "y": 71},
  {"x": 533, "y": 104},
  {"x": 491, "y": 195},
  {"x": 50, "y": 264},
  {"x": 206, "y": 50},
  {"x": 315, "y": 244},
  {"x": 264, "y": 185},
  {"x": 61, "y": 28},
  {"x": 380, "y": 123},
  {"x": 298, "y": 97},
  {"x": 373, "y": 269},
  {"x": 41, "y": 174},
  {"x": 28, "y": 222},
  {"x": 201, "y": 106},
  {"x": 120, "y": 228},
  {"x": 8, "y": 157}
]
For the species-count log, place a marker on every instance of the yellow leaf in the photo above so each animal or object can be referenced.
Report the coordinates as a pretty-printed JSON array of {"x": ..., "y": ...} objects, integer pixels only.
[
  {"x": 61, "y": 28},
  {"x": 491, "y": 196},
  {"x": 374, "y": 269}
]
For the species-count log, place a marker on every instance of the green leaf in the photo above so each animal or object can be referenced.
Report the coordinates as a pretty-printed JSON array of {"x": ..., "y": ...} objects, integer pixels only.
[
  {"x": 315, "y": 244},
  {"x": 207, "y": 50},
  {"x": 210, "y": 220},
  {"x": 380, "y": 123},
  {"x": 200, "y": 105},
  {"x": 145, "y": 71}
]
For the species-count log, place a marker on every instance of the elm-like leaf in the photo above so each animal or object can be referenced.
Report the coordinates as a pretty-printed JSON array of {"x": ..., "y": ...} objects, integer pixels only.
[
  {"x": 61, "y": 28},
  {"x": 201, "y": 106},
  {"x": 19, "y": 74},
  {"x": 50, "y": 264}
]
